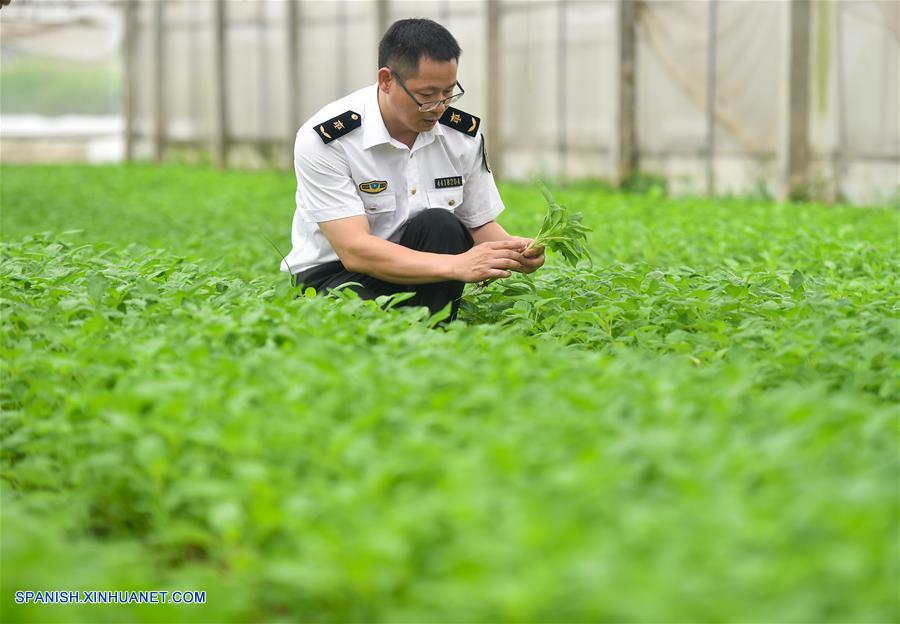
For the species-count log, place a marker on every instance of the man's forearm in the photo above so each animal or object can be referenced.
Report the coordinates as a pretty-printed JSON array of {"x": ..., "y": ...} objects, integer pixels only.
[
  {"x": 395, "y": 263},
  {"x": 400, "y": 265},
  {"x": 490, "y": 231}
]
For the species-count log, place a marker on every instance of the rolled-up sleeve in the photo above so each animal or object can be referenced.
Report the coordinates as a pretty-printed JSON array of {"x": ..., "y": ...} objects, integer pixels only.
[
  {"x": 481, "y": 200},
  {"x": 325, "y": 189}
]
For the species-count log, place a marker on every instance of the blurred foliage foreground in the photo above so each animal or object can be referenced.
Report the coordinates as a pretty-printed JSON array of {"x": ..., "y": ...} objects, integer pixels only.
[{"x": 702, "y": 426}]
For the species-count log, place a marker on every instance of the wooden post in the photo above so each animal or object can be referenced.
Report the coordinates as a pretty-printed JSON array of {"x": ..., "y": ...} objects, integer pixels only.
[
  {"x": 624, "y": 152},
  {"x": 293, "y": 77},
  {"x": 219, "y": 92},
  {"x": 157, "y": 55},
  {"x": 795, "y": 142},
  {"x": 840, "y": 154},
  {"x": 341, "y": 52},
  {"x": 262, "y": 77},
  {"x": 494, "y": 137},
  {"x": 382, "y": 18},
  {"x": 562, "y": 41},
  {"x": 195, "y": 85},
  {"x": 129, "y": 78},
  {"x": 711, "y": 44}
]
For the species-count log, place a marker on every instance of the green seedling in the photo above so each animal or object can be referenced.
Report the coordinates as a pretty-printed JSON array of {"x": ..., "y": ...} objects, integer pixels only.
[{"x": 562, "y": 232}]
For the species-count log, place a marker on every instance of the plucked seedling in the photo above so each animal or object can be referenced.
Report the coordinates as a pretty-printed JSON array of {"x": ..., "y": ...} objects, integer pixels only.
[{"x": 561, "y": 232}]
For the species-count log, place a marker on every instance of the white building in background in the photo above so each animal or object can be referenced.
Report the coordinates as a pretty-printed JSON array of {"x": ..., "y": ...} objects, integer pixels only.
[
  {"x": 555, "y": 83},
  {"x": 39, "y": 42}
]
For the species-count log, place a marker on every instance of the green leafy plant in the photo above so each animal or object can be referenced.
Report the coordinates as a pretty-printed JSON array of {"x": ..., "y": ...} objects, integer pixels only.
[
  {"x": 174, "y": 415},
  {"x": 562, "y": 231}
]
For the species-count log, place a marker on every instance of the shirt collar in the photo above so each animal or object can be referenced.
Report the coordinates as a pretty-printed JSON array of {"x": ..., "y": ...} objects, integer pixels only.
[{"x": 374, "y": 130}]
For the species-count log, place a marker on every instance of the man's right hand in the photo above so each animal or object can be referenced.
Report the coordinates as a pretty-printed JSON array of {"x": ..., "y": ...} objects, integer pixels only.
[{"x": 489, "y": 260}]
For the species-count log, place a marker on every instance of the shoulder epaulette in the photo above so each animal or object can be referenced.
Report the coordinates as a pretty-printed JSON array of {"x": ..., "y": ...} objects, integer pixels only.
[
  {"x": 459, "y": 120},
  {"x": 336, "y": 127}
]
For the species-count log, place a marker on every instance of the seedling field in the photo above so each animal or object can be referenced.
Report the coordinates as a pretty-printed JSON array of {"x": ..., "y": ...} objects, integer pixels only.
[{"x": 702, "y": 425}]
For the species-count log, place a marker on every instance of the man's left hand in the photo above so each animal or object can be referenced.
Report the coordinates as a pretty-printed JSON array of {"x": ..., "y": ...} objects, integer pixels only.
[{"x": 532, "y": 259}]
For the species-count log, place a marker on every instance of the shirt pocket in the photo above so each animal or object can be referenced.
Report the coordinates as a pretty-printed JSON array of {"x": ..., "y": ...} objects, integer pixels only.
[
  {"x": 448, "y": 199},
  {"x": 382, "y": 204}
]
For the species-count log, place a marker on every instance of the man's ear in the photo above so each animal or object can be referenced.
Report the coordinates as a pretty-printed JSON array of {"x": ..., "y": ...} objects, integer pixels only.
[{"x": 385, "y": 79}]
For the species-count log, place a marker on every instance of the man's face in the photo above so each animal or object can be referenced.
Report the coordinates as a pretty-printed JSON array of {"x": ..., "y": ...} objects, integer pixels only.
[{"x": 435, "y": 80}]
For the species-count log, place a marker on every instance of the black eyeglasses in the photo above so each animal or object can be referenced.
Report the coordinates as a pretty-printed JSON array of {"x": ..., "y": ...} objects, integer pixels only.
[{"x": 426, "y": 107}]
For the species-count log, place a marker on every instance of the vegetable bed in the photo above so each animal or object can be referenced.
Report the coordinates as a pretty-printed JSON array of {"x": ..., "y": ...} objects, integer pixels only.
[{"x": 702, "y": 425}]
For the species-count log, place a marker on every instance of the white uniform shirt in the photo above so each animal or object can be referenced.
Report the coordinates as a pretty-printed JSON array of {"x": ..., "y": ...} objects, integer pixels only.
[{"x": 331, "y": 178}]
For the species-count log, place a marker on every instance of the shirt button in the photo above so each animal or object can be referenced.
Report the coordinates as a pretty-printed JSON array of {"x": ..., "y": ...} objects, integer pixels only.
[
  {"x": 412, "y": 191},
  {"x": 452, "y": 202},
  {"x": 370, "y": 207}
]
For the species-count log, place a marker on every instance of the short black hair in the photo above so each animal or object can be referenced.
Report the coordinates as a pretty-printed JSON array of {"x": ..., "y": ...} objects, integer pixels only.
[{"x": 408, "y": 40}]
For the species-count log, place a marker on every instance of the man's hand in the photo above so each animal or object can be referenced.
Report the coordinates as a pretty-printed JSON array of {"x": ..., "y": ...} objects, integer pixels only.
[
  {"x": 532, "y": 259},
  {"x": 490, "y": 260}
]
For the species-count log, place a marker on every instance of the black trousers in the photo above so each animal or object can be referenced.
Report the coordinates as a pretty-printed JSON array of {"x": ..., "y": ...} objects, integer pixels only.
[{"x": 435, "y": 230}]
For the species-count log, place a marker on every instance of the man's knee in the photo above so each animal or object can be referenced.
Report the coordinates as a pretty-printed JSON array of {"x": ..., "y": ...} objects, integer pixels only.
[
  {"x": 436, "y": 218},
  {"x": 440, "y": 222},
  {"x": 437, "y": 230}
]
